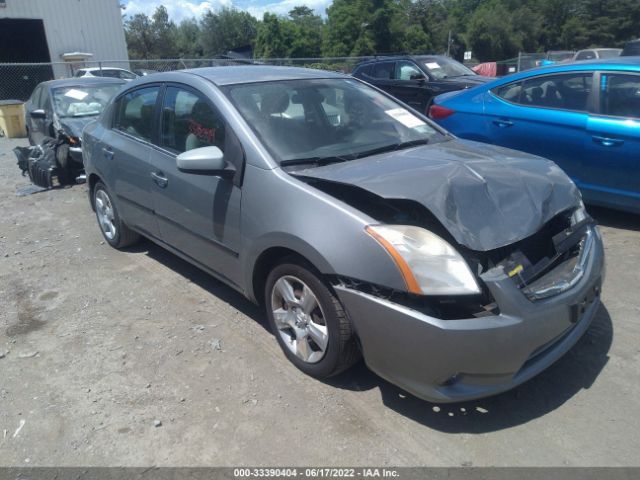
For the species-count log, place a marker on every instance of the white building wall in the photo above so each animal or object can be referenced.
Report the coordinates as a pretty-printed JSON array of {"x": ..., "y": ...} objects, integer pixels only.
[{"x": 91, "y": 26}]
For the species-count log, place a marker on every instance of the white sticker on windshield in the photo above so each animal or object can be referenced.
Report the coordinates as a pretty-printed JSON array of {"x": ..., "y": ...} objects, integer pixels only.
[
  {"x": 405, "y": 117},
  {"x": 77, "y": 94},
  {"x": 431, "y": 65}
]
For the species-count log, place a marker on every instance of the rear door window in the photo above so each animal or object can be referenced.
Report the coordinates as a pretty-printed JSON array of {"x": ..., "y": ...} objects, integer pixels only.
[
  {"x": 620, "y": 95},
  {"x": 383, "y": 70},
  {"x": 135, "y": 111},
  {"x": 569, "y": 91},
  {"x": 365, "y": 70}
]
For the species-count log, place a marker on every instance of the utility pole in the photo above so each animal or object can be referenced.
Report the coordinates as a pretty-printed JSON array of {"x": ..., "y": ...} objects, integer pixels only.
[{"x": 449, "y": 45}]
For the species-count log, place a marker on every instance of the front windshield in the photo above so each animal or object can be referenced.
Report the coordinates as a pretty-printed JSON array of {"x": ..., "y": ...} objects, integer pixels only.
[
  {"x": 82, "y": 101},
  {"x": 443, "y": 67},
  {"x": 327, "y": 120}
]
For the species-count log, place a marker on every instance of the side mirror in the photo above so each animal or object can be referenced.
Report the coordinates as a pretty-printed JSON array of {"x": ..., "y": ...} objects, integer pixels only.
[
  {"x": 38, "y": 113},
  {"x": 204, "y": 160},
  {"x": 416, "y": 76}
]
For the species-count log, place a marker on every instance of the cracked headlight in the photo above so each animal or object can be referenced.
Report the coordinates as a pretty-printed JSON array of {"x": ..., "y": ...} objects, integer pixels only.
[{"x": 428, "y": 264}]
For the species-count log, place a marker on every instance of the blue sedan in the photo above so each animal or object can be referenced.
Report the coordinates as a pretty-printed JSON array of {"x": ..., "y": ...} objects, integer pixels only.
[{"x": 584, "y": 116}]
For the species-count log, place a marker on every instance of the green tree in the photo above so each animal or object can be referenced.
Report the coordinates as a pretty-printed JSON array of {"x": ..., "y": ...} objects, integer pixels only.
[
  {"x": 139, "y": 36},
  {"x": 416, "y": 40},
  {"x": 346, "y": 23},
  {"x": 187, "y": 39},
  {"x": 153, "y": 37},
  {"x": 164, "y": 34},
  {"x": 364, "y": 27},
  {"x": 225, "y": 30},
  {"x": 306, "y": 33},
  {"x": 271, "y": 41},
  {"x": 490, "y": 33}
]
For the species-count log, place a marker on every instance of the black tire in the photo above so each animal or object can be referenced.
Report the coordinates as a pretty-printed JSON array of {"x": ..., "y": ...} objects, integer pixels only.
[
  {"x": 123, "y": 236},
  {"x": 342, "y": 349}
]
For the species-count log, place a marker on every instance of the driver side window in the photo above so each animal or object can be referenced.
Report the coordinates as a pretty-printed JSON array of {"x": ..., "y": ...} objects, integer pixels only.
[
  {"x": 189, "y": 121},
  {"x": 405, "y": 70}
]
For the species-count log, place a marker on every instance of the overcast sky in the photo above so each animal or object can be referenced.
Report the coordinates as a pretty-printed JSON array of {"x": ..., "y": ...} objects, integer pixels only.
[{"x": 181, "y": 9}]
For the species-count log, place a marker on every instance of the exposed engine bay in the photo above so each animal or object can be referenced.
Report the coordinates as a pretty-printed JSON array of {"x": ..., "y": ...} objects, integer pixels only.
[
  {"x": 43, "y": 165},
  {"x": 554, "y": 249}
]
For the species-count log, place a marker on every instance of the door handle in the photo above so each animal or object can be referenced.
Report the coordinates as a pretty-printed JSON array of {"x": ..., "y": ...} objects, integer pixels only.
[
  {"x": 161, "y": 181},
  {"x": 108, "y": 153},
  {"x": 607, "y": 141},
  {"x": 503, "y": 123}
]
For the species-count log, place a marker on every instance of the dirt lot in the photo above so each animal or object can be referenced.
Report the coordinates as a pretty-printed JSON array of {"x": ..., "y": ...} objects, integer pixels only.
[{"x": 97, "y": 345}]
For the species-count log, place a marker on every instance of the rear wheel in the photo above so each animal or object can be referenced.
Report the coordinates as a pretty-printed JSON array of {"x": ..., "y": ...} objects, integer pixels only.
[
  {"x": 308, "y": 321},
  {"x": 113, "y": 229}
]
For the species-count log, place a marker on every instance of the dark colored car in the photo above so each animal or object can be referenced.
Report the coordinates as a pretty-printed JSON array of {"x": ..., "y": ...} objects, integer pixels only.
[
  {"x": 631, "y": 49},
  {"x": 60, "y": 109},
  {"x": 415, "y": 80},
  {"x": 456, "y": 269},
  {"x": 584, "y": 116}
]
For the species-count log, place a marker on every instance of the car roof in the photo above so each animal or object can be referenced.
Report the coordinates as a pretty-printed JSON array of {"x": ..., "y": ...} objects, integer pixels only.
[
  {"x": 93, "y": 69},
  {"x": 617, "y": 63},
  {"x": 236, "y": 74},
  {"x": 393, "y": 58},
  {"x": 598, "y": 49},
  {"x": 83, "y": 82}
]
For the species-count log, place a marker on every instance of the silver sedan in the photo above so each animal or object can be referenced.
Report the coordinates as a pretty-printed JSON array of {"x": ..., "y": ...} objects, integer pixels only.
[{"x": 457, "y": 270}]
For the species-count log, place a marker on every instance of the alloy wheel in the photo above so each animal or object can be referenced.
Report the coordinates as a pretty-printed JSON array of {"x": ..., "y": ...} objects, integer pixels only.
[
  {"x": 299, "y": 319},
  {"x": 104, "y": 211}
]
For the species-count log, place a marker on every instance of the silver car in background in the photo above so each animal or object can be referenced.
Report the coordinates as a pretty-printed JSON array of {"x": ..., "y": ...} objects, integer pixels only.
[{"x": 457, "y": 270}]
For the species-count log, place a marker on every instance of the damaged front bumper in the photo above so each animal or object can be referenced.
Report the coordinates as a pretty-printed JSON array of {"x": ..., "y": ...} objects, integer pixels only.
[{"x": 463, "y": 359}]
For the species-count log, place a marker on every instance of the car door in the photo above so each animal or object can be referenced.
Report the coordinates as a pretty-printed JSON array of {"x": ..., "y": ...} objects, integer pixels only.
[
  {"x": 381, "y": 75},
  {"x": 198, "y": 214},
  {"x": 612, "y": 161},
  {"x": 126, "y": 148},
  {"x": 410, "y": 85},
  {"x": 545, "y": 115}
]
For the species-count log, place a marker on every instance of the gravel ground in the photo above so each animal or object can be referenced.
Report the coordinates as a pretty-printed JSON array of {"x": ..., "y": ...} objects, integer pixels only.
[{"x": 138, "y": 358}]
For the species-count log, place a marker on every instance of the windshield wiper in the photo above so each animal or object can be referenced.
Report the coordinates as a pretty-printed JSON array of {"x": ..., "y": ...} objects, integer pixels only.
[
  {"x": 312, "y": 161},
  {"x": 319, "y": 161},
  {"x": 392, "y": 147}
]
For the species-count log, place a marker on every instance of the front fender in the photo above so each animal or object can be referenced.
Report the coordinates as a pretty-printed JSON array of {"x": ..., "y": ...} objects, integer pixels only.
[{"x": 281, "y": 211}]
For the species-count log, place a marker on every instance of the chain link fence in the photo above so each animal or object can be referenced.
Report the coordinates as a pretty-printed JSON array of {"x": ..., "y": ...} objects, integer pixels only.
[{"x": 18, "y": 80}]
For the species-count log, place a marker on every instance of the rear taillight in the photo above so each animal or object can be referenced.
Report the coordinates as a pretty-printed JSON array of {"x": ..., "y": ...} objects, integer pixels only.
[{"x": 438, "y": 112}]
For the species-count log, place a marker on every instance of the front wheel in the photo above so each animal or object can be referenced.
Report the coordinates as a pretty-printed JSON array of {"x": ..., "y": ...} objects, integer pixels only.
[
  {"x": 114, "y": 230},
  {"x": 308, "y": 321}
]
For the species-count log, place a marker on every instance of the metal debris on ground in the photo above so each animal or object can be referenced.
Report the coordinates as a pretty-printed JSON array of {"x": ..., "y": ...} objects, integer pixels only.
[
  {"x": 28, "y": 354},
  {"x": 22, "y": 422}
]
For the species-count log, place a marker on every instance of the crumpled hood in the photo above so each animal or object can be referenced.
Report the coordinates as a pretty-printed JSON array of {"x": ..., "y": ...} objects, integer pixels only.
[
  {"x": 74, "y": 126},
  {"x": 485, "y": 196}
]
